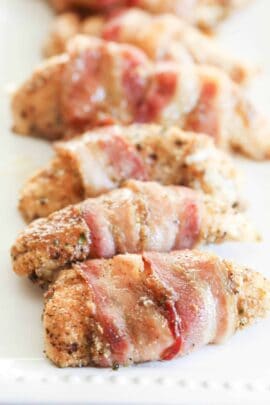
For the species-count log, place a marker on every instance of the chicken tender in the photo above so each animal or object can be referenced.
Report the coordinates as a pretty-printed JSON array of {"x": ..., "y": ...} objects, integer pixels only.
[
  {"x": 140, "y": 216},
  {"x": 101, "y": 83},
  {"x": 154, "y": 306},
  {"x": 102, "y": 159}
]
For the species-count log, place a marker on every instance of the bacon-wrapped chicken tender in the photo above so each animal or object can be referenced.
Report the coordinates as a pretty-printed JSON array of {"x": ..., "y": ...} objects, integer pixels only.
[
  {"x": 142, "y": 216},
  {"x": 154, "y": 306},
  {"x": 204, "y": 13},
  {"x": 162, "y": 37},
  {"x": 100, "y": 160},
  {"x": 100, "y": 83}
]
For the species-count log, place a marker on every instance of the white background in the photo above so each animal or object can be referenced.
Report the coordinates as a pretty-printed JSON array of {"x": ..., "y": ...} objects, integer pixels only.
[{"x": 236, "y": 371}]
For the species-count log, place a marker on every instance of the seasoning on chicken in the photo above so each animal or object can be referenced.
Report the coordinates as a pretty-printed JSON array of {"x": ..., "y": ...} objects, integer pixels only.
[
  {"x": 206, "y": 14},
  {"x": 162, "y": 37},
  {"x": 154, "y": 306},
  {"x": 141, "y": 216},
  {"x": 100, "y": 160},
  {"x": 99, "y": 83}
]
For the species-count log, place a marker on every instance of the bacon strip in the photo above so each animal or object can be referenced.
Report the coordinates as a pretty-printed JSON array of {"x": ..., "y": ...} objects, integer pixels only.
[
  {"x": 107, "y": 314},
  {"x": 141, "y": 203},
  {"x": 171, "y": 292},
  {"x": 193, "y": 305},
  {"x": 204, "y": 118},
  {"x": 102, "y": 83},
  {"x": 127, "y": 81},
  {"x": 118, "y": 291},
  {"x": 104, "y": 161},
  {"x": 148, "y": 307}
]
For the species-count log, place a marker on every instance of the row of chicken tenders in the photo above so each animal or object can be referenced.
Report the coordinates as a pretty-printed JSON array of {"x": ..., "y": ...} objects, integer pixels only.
[{"x": 145, "y": 111}]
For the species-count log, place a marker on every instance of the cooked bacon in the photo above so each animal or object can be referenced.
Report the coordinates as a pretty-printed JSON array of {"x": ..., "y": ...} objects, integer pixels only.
[
  {"x": 162, "y": 37},
  {"x": 99, "y": 83},
  {"x": 154, "y": 306},
  {"x": 100, "y": 160},
  {"x": 205, "y": 117},
  {"x": 204, "y": 13},
  {"x": 141, "y": 216}
]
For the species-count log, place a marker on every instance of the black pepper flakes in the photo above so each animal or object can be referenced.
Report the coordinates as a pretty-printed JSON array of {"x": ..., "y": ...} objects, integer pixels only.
[
  {"x": 179, "y": 143},
  {"x": 82, "y": 239},
  {"x": 33, "y": 277},
  {"x": 153, "y": 156},
  {"x": 24, "y": 114},
  {"x": 56, "y": 242},
  {"x": 115, "y": 366},
  {"x": 43, "y": 201},
  {"x": 73, "y": 348},
  {"x": 55, "y": 255}
]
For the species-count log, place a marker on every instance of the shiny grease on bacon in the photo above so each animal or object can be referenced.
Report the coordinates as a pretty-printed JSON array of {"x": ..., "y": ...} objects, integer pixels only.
[
  {"x": 100, "y": 160},
  {"x": 99, "y": 83},
  {"x": 154, "y": 306},
  {"x": 162, "y": 37},
  {"x": 141, "y": 216},
  {"x": 205, "y": 14}
]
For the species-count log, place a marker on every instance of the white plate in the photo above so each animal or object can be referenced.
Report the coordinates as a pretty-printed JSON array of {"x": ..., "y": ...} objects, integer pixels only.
[{"x": 238, "y": 372}]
